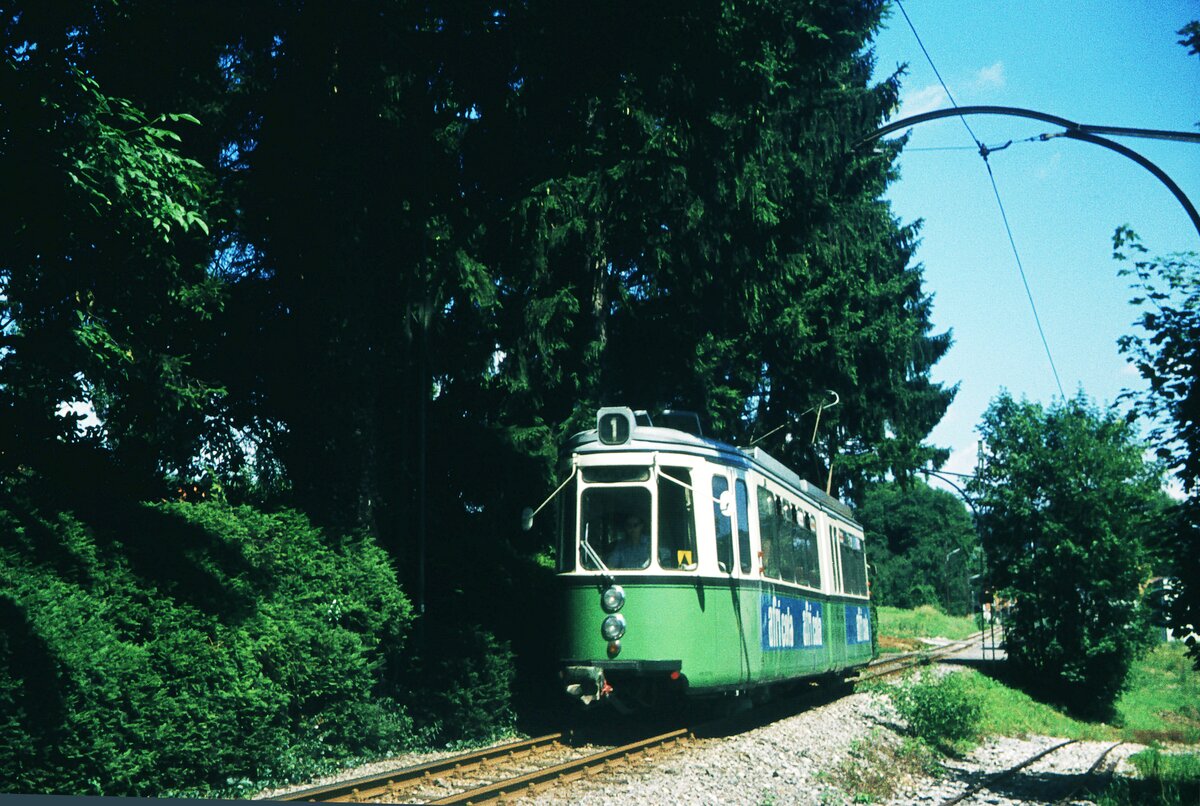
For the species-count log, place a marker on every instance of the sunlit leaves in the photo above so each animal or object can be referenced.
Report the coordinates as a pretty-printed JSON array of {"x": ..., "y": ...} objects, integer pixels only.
[
  {"x": 1066, "y": 505},
  {"x": 103, "y": 282},
  {"x": 1166, "y": 353}
]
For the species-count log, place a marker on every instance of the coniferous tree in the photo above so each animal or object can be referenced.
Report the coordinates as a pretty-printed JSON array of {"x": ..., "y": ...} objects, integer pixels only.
[{"x": 439, "y": 236}]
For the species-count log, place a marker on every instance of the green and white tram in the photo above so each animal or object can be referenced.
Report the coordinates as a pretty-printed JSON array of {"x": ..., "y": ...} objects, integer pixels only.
[{"x": 693, "y": 566}]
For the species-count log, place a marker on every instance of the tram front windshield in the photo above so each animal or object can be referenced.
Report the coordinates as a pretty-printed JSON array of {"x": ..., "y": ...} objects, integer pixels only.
[
  {"x": 615, "y": 519},
  {"x": 615, "y": 522}
]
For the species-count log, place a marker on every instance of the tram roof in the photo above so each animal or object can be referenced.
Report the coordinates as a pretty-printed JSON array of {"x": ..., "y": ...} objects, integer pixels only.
[{"x": 644, "y": 438}]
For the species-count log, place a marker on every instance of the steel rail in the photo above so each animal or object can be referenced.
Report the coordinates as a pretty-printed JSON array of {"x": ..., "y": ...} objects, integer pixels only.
[
  {"x": 360, "y": 788},
  {"x": 884, "y": 666},
  {"x": 992, "y": 780},
  {"x": 567, "y": 771},
  {"x": 1092, "y": 770},
  {"x": 391, "y": 783}
]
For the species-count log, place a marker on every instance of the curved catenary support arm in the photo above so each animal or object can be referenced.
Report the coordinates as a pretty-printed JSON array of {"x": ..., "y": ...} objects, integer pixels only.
[{"x": 1076, "y": 131}]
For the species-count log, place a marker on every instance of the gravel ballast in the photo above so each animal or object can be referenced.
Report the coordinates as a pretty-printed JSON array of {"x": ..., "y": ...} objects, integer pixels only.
[{"x": 795, "y": 760}]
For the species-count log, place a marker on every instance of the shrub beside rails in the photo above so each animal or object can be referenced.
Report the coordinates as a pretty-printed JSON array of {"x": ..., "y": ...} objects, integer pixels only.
[{"x": 687, "y": 566}]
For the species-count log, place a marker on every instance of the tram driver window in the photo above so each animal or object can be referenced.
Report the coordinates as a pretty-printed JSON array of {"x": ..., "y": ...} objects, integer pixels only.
[
  {"x": 722, "y": 526},
  {"x": 676, "y": 520},
  {"x": 615, "y": 524},
  {"x": 743, "y": 525}
]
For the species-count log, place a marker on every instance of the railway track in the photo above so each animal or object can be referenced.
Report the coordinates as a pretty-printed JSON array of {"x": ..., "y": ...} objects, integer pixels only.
[
  {"x": 487, "y": 776},
  {"x": 530, "y": 765},
  {"x": 1069, "y": 785},
  {"x": 893, "y": 664}
]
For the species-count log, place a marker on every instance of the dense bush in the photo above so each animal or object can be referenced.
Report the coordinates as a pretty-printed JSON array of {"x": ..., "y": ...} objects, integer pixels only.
[
  {"x": 178, "y": 647},
  {"x": 464, "y": 684},
  {"x": 1067, "y": 500},
  {"x": 942, "y": 710}
]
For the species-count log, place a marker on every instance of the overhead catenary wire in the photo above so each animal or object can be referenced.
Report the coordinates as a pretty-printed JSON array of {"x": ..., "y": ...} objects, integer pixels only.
[
  {"x": 983, "y": 152},
  {"x": 1024, "y": 281},
  {"x": 941, "y": 81}
]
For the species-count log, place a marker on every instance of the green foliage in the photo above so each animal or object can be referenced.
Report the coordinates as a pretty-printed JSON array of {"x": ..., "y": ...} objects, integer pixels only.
[
  {"x": 1167, "y": 355},
  {"x": 104, "y": 294},
  {"x": 921, "y": 546},
  {"x": 499, "y": 221},
  {"x": 465, "y": 694},
  {"x": 1165, "y": 779},
  {"x": 942, "y": 710},
  {"x": 187, "y": 647},
  {"x": 1066, "y": 500},
  {"x": 1191, "y": 37}
]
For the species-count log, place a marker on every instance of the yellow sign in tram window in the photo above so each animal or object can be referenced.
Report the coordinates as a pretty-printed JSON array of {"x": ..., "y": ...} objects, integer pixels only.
[{"x": 683, "y": 557}]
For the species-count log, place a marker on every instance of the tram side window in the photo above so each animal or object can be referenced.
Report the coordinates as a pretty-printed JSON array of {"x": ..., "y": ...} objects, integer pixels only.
[
  {"x": 835, "y": 559},
  {"x": 785, "y": 542},
  {"x": 786, "y": 547},
  {"x": 795, "y": 548},
  {"x": 566, "y": 530},
  {"x": 616, "y": 525},
  {"x": 808, "y": 558},
  {"x": 743, "y": 526},
  {"x": 854, "y": 564},
  {"x": 767, "y": 533},
  {"x": 722, "y": 525},
  {"x": 676, "y": 520}
]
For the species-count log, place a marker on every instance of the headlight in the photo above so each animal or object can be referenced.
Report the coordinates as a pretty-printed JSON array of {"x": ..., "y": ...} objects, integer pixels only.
[
  {"x": 613, "y": 627},
  {"x": 613, "y": 599}
]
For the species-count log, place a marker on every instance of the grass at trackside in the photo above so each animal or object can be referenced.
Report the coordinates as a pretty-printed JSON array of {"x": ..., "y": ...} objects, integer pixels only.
[
  {"x": 1164, "y": 780},
  {"x": 1163, "y": 700},
  {"x": 1012, "y": 712},
  {"x": 1162, "y": 703},
  {"x": 901, "y": 629},
  {"x": 1160, "y": 708}
]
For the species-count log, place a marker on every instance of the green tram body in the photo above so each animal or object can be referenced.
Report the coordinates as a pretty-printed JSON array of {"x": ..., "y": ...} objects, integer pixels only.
[{"x": 728, "y": 617}]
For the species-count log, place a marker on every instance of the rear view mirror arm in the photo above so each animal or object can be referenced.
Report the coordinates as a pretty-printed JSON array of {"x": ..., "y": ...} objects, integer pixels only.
[{"x": 528, "y": 514}]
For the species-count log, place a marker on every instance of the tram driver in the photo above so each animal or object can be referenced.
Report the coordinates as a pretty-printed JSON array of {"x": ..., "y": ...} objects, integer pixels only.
[{"x": 633, "y": 549}]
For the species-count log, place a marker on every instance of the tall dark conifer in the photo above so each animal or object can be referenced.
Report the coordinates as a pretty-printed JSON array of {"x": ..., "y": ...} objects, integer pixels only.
[
  {"x": 465, "y": 226},
  {"x": 698, "y": 229}
]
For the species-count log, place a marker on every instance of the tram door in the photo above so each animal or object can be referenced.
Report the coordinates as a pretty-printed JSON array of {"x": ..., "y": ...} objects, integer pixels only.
[
  {"x": 837, "y": 646},
  {"x": 732, "y": 532}
]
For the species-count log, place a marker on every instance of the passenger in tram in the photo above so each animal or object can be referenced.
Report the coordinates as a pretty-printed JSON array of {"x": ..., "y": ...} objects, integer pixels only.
[{"x": 633, "y": 549}]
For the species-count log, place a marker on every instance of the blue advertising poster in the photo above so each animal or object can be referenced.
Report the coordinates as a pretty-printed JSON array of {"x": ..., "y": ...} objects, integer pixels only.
[
  {"x": 858, "y": 624},
  {"x": 789, "y": 623}
]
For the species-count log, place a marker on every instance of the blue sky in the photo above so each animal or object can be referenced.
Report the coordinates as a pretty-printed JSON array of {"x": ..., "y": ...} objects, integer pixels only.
[{"x": 1114, "y": 63}]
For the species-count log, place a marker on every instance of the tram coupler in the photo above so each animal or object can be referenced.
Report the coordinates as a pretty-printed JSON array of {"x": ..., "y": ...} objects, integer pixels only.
[{"x": 585, "y": 683}]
